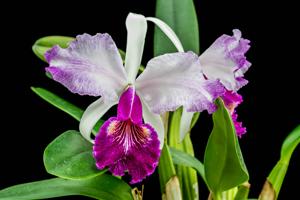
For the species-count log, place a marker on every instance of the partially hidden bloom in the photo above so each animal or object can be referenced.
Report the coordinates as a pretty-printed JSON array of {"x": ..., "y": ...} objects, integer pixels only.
[
  {"x": 132, "y": 140},
  {"x": 232, "y": 100},
  {"x": 225, "y": 61}
]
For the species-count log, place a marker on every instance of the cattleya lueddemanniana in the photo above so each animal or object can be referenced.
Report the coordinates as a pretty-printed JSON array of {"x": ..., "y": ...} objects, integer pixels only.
[
  {"x": 132, "y": 140},
  {"x": 224, "y": 60}
]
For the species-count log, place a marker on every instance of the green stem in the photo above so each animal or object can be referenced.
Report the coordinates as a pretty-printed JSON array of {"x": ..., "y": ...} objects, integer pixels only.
[
  {"x": 217, "y": 196},
  {"x": 166, "y": 168},
  {"x": 187, "y": 176},
  {"x": 243, "y": 191},
  {"x": 169, "y": 184}
]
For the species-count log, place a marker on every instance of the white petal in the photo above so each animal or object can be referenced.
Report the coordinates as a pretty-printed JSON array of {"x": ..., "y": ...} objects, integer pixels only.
[
  {"x": 168, "y": 31},
  {"x": 155, "y": 121},
  {"x": 91, "y": 115},
  {"x": 185, "y": 123},
  {"x": 173, "y": 80},
  {"x": 136, "y": 32},
  {"x": 225, "y": 60},
  {"x": 91, "y": 65},
  {"x": 217, "y": 66}
]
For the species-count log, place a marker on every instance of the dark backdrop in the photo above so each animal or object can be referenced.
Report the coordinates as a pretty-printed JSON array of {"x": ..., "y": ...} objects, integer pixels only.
[{"x": 270, "y": 111}]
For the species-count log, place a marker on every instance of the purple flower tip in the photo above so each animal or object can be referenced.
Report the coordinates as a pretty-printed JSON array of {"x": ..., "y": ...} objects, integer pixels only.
[
  {"x": 232, "y": 100},
  {"x": 240, "y": 130}
]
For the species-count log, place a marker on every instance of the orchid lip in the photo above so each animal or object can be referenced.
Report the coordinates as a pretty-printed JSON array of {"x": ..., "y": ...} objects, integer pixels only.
[
  {"x": 125, "y": 143},
  {"x": 128, "y": 133}
]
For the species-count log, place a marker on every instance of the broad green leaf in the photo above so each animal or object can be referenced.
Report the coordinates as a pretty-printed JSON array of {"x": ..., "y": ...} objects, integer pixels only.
[
  {"x": 70, "y": 156},
  {"x": 223, "y": 162},
  {"x": 181, "y": 16},
  {"x": 104, "y": 187},
  {"x": 44, "y": 44},
  {"x": 64, "y": 105},
  {"x": 278, "y": 173},
  {"x": 184, "y": 159},
  {"x": 187, "y": 176}
]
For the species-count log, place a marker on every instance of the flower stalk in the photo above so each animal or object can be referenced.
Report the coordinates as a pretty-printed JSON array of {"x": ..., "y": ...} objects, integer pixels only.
[
  {"x": 169, "y": 184},
  {"x": 187, "y": 176}
]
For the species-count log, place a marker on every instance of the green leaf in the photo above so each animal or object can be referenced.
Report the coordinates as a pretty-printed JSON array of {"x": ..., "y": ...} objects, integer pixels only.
[
  {"x": 104, "y": 187},
  {"x": 181, "y": 16},
  {"x": 70, "y": 156},
  {"x": 44, "y": 44},
  {"x": 184, "y": 159},
  {"x": 63, "y": 105},
  {"x": 58, "y": 102},
  {"x": 223, "y": 162},
  {"x": 278, "y": 173},
  {"x": 289, "y": 144}
]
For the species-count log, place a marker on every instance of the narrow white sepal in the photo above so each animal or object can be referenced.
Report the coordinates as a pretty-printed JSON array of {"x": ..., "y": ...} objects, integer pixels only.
[
  {"x": 155, "y": 121},
  {"x": 136, "y": 32},
  {"x": 168, "y": 31},
  {"x": 91, "y": 116},
  {"x": 185, "y": 123}
]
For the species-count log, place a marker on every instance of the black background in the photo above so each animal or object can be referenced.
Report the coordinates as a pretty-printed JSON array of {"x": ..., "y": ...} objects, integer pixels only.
[{"x": 270, "y": 110}]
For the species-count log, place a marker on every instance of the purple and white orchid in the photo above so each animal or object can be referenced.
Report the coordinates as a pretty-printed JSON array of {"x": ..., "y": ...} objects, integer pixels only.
[
  {"x": 225, "y": 61},
  {"x": 132, "y": 140}
]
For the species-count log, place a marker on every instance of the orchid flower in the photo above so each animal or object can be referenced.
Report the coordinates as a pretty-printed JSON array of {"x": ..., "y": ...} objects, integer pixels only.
[
  {"x": 132, "y": 140},
  {"x": 225, "y": 61}
]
